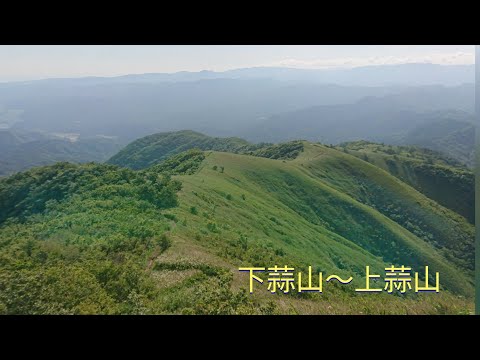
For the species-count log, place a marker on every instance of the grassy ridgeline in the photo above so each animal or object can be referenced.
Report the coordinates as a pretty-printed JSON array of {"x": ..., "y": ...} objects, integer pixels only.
[{"x": 101, "y": 239}]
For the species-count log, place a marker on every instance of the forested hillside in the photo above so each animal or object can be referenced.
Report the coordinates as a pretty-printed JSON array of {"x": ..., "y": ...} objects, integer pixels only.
[
  {"x": 443, "y": 179},
  {"x": 169, "y": 238}
]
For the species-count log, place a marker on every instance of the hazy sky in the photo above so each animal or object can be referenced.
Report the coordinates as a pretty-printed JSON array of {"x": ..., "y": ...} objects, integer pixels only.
[{"x": 23, "y": 62}]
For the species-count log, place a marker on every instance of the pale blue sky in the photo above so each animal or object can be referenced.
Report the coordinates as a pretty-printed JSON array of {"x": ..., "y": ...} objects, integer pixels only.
[{"x": 21, "y": 62}]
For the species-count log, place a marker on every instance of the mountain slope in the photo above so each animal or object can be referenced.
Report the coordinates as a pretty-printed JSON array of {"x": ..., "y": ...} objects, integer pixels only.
[
  {"x": 112, "y": 232},
  {"x": 455, "y": 138},
  {"x": 438, "y": 177},
  {"x": 442, "y": 179},
  {"x": 334, "y": 207}
]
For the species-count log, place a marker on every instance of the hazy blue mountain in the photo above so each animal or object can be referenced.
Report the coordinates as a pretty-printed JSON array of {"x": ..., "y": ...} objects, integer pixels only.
[
  {"x": 379, "y": 75},
  {"x": 402, "y": 119},
  {"x": 21, "y": 150},
  {"x": 130, "y": 110},
  {"x": 260, "y": 104},
  {"x": 413, "y": 74},
  {"x": 454, "y": 138},
  {"x": 9, "y": 138},
  {"x": 218, "y": 107},
  {"x": 375, "y": 119}
]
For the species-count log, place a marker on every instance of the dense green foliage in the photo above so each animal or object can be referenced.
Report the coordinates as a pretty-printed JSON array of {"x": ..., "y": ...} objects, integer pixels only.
[
  {"x": 91, "y": 238},
  {"x": 441, "y": 178},
  {"x": 28, "y": 193},
  {"x": 75, "y": 238},
  {"x": 185, "y": 163},
  {"x": 283, "y": 151},
  {"x": 152, "y": 149}
]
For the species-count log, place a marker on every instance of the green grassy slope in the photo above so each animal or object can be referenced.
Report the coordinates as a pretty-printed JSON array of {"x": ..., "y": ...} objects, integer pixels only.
[
  {"x": 339, "y": 225},
  {"x": 111, "y": 243},
  {"x": 442, "y": 179}
]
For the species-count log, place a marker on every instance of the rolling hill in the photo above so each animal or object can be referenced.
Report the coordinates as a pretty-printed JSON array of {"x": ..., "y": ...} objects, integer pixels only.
[
  {"x": 169, "y": 238},
  {"x": 440, "y": 178},
  {"x": 443, "y": 179},
  {"x": 153, "y": 149}
]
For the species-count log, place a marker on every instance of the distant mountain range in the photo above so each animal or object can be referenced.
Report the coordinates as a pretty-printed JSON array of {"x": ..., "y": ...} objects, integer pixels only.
[
  {"x": 412, "y": 74},
  {"x": 389, "y": 120},
  {"x": 21, "y": 150},
  {"x": 258, "y": 104},
  {"x": 130, "y": 110}
]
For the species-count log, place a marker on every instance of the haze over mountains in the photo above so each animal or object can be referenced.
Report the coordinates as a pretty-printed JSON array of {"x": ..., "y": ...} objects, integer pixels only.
[
  {"x": 21, "y": 149},
  {"x": 375, "y": 119},
  {"x": 412, "y": 74},
  {"x": 391, "y": 103}
]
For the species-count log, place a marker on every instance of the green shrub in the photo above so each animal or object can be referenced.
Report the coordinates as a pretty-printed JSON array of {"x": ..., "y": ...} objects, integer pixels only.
[
  {"x": 185, "y": 163},
  {"x": 164, "y": 242},
  {"x": 212, "y": 226},
  {"x": 172, "y": 217}
]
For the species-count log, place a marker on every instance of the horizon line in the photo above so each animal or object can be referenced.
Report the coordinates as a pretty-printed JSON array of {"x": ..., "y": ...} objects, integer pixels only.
[{"x": 326, "y": 69}]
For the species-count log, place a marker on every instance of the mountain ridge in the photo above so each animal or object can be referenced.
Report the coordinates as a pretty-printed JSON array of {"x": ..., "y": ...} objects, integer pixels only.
[
  {"x": 430, "y": 172},
  {"x": 432, "y": 73}
]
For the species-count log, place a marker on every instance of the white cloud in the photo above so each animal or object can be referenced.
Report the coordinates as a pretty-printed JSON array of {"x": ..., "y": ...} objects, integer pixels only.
[{"x": 458, "y": 58}]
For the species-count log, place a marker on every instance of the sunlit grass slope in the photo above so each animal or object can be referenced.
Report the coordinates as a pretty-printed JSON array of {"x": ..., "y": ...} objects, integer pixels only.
[{"x": 298, "y": 210}]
